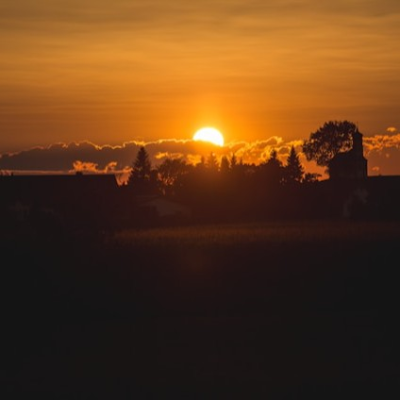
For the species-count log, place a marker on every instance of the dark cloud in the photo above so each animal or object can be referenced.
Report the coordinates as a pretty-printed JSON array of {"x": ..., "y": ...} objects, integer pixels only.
[
  {"x": 89, "y": 156},
  {"x": 61, "y": 157},
  {"x": 382, "y": 152}
]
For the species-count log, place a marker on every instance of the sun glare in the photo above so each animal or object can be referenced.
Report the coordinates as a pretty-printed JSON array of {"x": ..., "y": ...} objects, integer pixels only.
[{"x": 210, "y": 135}]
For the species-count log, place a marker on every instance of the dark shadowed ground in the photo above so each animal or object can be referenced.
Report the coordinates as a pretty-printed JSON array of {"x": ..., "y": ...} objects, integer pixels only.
[{"x": 280, "y": 311}]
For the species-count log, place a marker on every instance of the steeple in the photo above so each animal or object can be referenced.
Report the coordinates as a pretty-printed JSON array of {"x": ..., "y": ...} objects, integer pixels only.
[
  {"x": 351, "y": 164},
  {"x": 357, "y": 144}
]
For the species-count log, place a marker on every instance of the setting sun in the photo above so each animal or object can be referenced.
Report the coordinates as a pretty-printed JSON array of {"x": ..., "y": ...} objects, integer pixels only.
[{"x": 210, "y": 135}]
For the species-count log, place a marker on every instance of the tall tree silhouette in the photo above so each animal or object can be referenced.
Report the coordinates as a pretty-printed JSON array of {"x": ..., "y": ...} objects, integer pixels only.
[
  {"x": 233, "y": 161},
  {"x": 224, "y": 167},
  {"x": 201, "y": 165},
  {"x": 272, "y": 169},
  {"x": 293, "y": 170},
  {"x": 212, "y": 162},
  {"x": 142, "y": 179}
]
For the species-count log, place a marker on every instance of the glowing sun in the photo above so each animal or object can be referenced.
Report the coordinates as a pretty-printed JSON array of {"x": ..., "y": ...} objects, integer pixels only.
[{"x": 210, "y": 135}]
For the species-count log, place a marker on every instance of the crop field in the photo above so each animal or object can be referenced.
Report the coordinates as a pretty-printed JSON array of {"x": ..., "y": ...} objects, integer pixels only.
[
  {"x": 268, "y": 233},
  {"x": 280, "y": 310}
]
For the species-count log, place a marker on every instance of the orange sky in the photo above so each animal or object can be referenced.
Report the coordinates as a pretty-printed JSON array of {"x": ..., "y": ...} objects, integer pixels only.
[{"x": 117, "y": 71}]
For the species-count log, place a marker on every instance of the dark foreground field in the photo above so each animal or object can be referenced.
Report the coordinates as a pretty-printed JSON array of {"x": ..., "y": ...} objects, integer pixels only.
[{"x": 277, "y": 311}]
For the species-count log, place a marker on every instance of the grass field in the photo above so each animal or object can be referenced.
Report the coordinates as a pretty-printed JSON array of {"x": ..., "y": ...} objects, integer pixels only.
[{"x": 275, "y": 310}]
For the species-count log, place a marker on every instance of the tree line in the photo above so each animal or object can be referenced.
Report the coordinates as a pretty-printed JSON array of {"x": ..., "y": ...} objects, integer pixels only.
[
  {"x": 174, "y": 173},
  {"x": 231, "y": 187}
]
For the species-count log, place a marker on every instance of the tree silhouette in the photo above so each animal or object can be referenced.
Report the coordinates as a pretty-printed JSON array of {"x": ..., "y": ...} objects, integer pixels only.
[
  {"x": 201, "y": 165},
  {"x": 273, "y": 159},
  {"x": 224, "y": 167},
  {"x": 233, "y": 161},
  {"x": 293, "y": 171},
  {"x": 212, "y": 162},
  {"x": 170, "y": 174},
  {"x": 229, "y": 189},
  {"x": 142, "y": 178},
  {"x": 333, "y": 137},
  {"x": 272, "y": 169}
]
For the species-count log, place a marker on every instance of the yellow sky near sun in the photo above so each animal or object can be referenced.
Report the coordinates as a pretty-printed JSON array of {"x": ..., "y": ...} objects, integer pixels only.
[{"x": 116, "y": 71}]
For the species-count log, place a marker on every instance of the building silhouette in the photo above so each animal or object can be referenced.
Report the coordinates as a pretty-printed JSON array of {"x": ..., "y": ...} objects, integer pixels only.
[{"x": 350, "y": 164}]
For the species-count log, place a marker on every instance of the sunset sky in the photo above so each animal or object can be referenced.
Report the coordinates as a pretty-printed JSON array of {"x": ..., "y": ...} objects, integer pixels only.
[{"x": 101, "y": 72}]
